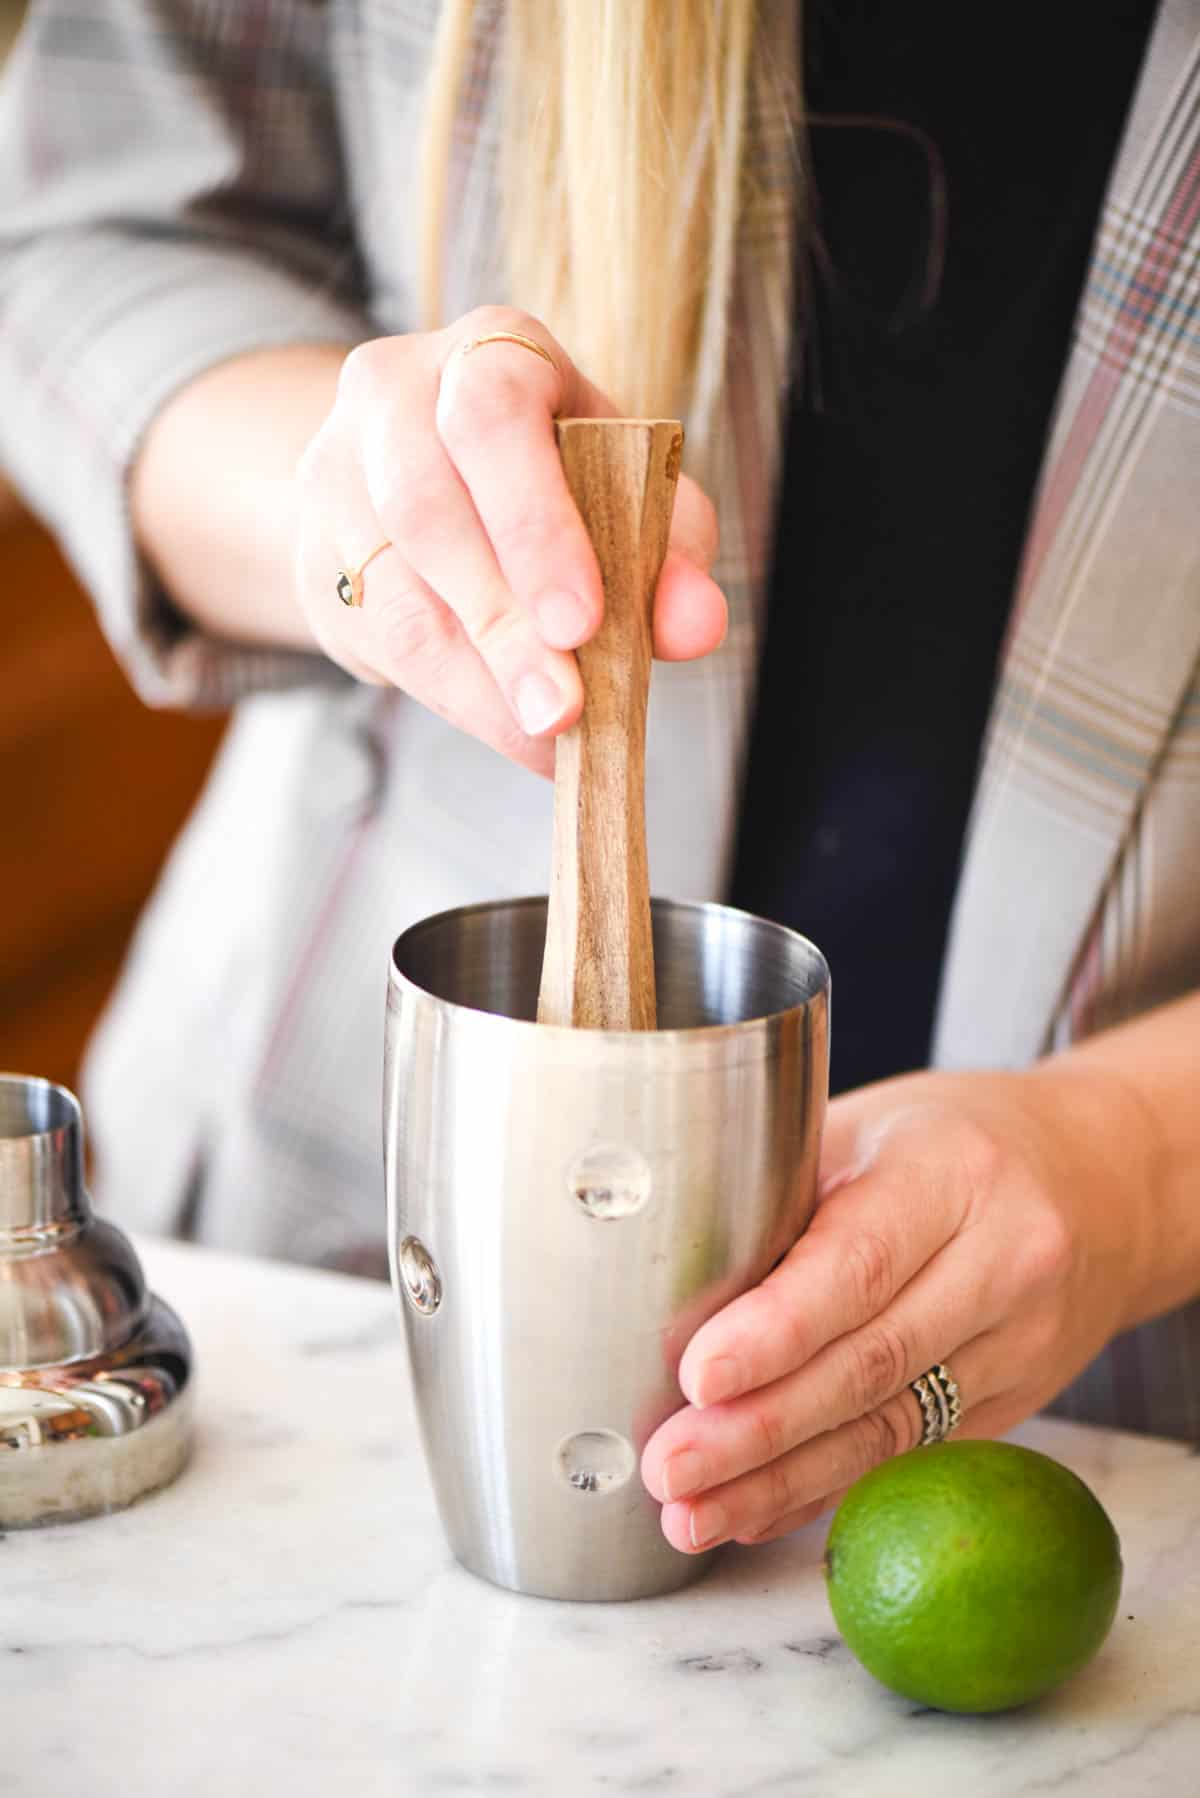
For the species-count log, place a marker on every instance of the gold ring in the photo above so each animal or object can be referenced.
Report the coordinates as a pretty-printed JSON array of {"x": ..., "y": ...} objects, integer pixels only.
[
  {"x": 523, "y": 343},
  {"x": 349, "y": 580}
]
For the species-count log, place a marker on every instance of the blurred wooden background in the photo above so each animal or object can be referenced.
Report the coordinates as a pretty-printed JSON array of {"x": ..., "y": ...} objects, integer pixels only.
[
  {"x": 10, "y": 18},
  {"x": 94, "y": 787}
]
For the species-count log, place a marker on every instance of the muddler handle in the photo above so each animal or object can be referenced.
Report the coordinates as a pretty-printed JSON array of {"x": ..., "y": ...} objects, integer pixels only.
[{"x": 598, "y": 971}]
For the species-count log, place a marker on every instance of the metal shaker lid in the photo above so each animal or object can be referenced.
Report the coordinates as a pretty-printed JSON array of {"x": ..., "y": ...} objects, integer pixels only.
[{"x": 95, "y": 1373}]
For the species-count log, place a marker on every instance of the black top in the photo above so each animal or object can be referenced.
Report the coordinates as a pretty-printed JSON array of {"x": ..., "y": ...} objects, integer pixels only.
[{"x": 939, "y": 296}]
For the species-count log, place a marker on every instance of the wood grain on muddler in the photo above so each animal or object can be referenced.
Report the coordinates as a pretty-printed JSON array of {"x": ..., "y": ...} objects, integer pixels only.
[{"x": 598, "y": 973}]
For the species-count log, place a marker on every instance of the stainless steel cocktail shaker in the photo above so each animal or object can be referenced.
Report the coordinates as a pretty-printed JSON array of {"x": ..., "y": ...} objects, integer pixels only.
[
  {"x": 566, "y": 1207},
  {"x": 95, "y": 1372}
]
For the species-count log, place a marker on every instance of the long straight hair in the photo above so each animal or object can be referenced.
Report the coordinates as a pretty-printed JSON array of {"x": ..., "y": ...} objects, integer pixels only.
[{"x": 623, "y": 172}]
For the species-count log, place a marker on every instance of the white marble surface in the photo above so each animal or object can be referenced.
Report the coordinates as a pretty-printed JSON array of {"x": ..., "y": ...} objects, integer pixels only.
[{"x": 287, "y": 1620}]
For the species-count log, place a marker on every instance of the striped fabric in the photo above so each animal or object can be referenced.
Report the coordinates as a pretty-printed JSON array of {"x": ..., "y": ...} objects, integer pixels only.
[
  {"x": 1091, "y": 775},
  {"x": 1104, "y": 647},
  {"x": 1083, "y": 779},
  {"x": 181, "y": 180}
]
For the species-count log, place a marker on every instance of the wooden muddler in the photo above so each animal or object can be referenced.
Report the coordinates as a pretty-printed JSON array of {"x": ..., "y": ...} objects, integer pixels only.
[{"x": 598, "y": 971}]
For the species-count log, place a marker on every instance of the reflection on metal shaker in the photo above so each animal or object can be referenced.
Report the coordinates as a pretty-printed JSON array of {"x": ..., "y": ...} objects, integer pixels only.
[{"x": 566, "y": 1207}]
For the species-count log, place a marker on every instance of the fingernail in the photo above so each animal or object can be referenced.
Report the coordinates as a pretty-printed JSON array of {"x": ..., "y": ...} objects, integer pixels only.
[
  {"x": 682, "y": 1474},
  {"x": 562, "y": 618},
  {"x": 540, "y": 705},
  {"x": 708, "y": 1525},
  {"x": 721, "y": 1378}
]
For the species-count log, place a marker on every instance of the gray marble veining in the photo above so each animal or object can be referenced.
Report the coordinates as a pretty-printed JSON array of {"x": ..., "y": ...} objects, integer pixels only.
[{"x": 287, "y": 1620}]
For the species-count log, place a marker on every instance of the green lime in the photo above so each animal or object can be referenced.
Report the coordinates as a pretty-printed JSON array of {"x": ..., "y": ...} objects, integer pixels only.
[{"x": 972, "y": 1576}]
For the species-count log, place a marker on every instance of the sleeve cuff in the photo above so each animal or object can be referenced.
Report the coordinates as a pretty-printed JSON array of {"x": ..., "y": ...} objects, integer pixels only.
[{"x": 82, "y": 376}]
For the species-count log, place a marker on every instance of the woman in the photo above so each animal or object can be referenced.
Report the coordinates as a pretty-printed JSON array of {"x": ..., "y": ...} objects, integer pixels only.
[{"x": 228, "y": 382}]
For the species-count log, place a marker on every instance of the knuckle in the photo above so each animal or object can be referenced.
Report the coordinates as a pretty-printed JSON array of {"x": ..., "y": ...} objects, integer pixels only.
[
  {"x": 525, "y": 537},
  {"x": 1041, "y": 1336},
  {"x": 878, "y": 1366},
  {"x": 704, "y": 531},
  {"x": 872, "y": 1272},
  {"x": 710, "y": 530},
  {"x": 315, "y": 460},
  {"x": 879, "y": 1438},
  {"x": 907, "y": 1422},
  {"x": 768, "y": 1431},
  {"x": 976, "y": 1156},
  {"x": 1047, "y": 1249},
  {"x": 781, "y": 1492},
  {"x": 362, "y": 370},
  {"x": 487, "y": 401},
  {"x": 494, "y": 631},
  {"x": 782, "y": 1323},
  {"x": 417, "y": 508},
  {"x": 482, "y": 319},
  {"x": 510, "y": 741},
  {"x": 410, "y": 630},
  {"x": 694, "y": 529}
]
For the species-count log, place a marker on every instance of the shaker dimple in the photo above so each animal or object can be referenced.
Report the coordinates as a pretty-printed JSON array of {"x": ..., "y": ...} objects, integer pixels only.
[
  {"x": 596, "y": 1460},
  {"x": 418, "y": 1271},
  {"x": 609, "y": 1182}
]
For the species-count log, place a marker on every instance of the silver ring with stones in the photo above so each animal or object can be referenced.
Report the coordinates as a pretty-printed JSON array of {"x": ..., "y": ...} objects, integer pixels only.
[{"x": 937, "y": 1392}]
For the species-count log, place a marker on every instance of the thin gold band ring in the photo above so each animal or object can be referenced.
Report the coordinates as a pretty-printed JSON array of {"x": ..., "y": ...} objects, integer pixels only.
[
  {"x": 523, "y": 343},
  {"x": 350, "y": 581}
]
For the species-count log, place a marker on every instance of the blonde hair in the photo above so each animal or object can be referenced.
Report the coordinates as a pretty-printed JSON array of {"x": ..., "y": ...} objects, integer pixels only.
[{"x": 623, "y": 170}]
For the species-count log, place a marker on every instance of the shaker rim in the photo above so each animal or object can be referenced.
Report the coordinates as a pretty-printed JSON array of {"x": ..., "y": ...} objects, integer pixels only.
[{"x": 693, "y": 1033}]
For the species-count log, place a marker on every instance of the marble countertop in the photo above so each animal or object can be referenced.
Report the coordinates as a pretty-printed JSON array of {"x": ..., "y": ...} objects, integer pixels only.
[{"x": 287, "y": 1619}]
